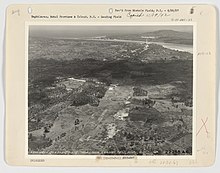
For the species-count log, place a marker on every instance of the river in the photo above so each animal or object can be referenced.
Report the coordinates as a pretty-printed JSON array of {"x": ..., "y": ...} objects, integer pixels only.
[{"x": 180, "y": 47}]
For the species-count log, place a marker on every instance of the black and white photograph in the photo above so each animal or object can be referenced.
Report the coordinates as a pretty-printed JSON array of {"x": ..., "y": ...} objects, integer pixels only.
[{"x": 110, "y": 90}]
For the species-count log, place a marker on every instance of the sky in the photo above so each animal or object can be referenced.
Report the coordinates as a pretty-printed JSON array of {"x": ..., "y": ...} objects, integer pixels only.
[{"x": 71, "y": 31}]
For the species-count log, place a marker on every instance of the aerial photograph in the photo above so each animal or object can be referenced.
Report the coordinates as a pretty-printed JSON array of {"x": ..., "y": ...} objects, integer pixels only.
[{"x": 110, "y": 90}]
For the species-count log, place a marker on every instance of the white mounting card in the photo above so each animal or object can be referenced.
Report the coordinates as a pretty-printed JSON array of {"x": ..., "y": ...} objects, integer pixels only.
[{"x": 110, "y": 85}]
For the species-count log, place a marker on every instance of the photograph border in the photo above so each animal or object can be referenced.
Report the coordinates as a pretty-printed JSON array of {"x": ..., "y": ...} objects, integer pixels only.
[{"x": 93, "y": 157}]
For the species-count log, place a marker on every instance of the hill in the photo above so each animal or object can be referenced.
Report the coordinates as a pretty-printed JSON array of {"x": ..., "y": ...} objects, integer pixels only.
[
  {"x": 170, "y": 36},
  {"x": 166, "y": 36}
]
